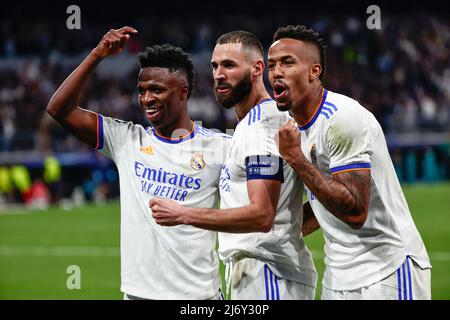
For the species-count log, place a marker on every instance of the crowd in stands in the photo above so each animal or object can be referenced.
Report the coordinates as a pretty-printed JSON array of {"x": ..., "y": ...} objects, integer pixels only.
[{"x": 401, "y": 72}]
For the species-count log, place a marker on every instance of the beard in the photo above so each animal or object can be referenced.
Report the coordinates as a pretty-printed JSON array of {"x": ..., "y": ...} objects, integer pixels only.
[{"x": 237, "y": 93}]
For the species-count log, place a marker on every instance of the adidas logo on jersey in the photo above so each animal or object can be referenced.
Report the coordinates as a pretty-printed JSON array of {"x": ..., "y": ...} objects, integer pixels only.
[{"x": 147, "y": 150}]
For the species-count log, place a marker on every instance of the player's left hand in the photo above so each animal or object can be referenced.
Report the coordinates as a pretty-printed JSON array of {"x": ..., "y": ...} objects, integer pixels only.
[
  {"x": 288, "y": 141},
  {"x": 166, "y": 212}
]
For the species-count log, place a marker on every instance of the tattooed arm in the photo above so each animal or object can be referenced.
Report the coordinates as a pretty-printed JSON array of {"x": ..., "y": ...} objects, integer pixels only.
[
  {"x": 310, "y": 223},
  {"x": 346, "y": 195}
]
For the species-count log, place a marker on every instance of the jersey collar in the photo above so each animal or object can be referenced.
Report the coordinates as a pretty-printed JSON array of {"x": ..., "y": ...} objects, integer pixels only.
[
  {"x": 186, "y": 137},
  {"x": 313, "y": 119},
  {"x": 265, "y": 100}
]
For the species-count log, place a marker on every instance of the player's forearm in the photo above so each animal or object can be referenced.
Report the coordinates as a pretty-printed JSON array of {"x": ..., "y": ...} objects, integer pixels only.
[
  {"x": 66, "y": 98},
  {"x": 251, "y": 218},
  {"x": 310, "y": 223},
  {"x": 332, "y": 194}
]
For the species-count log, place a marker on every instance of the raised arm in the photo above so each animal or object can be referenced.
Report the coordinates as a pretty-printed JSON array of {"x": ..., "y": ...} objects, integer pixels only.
[
  {"x": 258, "y": 216},
  {"x": 64, "y": 105},
  {"x": 346, "y": 195}
]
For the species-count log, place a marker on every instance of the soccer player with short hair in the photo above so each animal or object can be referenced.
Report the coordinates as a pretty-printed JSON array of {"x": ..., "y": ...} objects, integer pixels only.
[
  {"x": 260, "y": 215},
  {"x": 373, "y": 250},
  {"x": 174, "y": 159}
]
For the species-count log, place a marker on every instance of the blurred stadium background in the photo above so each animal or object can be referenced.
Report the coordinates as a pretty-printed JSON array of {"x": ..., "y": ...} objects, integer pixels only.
[{"x": 58, "y": 198}]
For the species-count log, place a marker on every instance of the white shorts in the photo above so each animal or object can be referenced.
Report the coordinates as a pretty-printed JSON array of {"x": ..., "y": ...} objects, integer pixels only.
[
  {"x": 252, "y": 279},
  {"x": 409, "y": 282},
  {"x": 219, "y": 296}
]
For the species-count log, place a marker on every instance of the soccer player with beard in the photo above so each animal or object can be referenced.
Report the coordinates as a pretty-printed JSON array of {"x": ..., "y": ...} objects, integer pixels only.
[
  {"x": 372, "y": 247},
  {"x": 260, "y": 215},
  {"x": 174, "y": 159}
]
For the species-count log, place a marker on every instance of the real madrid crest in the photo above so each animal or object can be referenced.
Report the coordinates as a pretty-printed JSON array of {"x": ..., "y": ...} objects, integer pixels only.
[
  {"x": 197, "y": 163},
  {"x": 313, "y": 154}
]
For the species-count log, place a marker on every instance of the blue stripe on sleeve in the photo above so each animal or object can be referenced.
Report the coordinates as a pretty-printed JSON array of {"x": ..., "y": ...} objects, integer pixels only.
[
  {"x": 325, "y": 114},
  {"x": 264, "y": 168},
  {"x": 327, "y": 103},
  {"x": 361, "y": 165},
  {"x": 328, "y": 110},
  {"x": 100, "y": 132}
]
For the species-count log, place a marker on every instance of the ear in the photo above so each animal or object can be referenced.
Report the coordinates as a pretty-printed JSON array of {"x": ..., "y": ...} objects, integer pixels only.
[
  {"x": 315, "y": 72},
  {"x": 258, "y": 68},
  {"x": 184, "y": 92}
]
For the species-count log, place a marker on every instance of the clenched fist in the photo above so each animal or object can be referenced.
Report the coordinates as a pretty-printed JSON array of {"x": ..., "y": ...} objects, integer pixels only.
[
  {"x": 167, "y": 212},
  {"x": 288, "y": 142},
  {"x": 114, "y": 42}
]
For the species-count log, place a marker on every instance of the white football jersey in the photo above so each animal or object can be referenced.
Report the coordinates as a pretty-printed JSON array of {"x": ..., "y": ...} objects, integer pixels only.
[
  {"x": 344, "y": 136},
  {"x": 165, "y": 262},
  {"x": 254, "y": 155}
]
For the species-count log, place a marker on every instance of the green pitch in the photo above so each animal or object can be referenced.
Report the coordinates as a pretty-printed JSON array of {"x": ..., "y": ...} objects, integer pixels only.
[{"x": 37, "y": 247}]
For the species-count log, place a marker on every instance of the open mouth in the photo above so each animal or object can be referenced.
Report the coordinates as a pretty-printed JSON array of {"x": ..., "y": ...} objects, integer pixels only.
[
  {"x": 280, "y": 90},
  {"x": 153, "y": 113}
]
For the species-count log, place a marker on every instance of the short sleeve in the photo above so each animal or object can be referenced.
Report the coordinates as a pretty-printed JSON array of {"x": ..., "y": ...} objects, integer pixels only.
[
  {"x": 260, "y": 153},
  {"x": 260, "y": 136},
  {"x": 350, "y": 143},
  {"x": 112, "y": 135}
]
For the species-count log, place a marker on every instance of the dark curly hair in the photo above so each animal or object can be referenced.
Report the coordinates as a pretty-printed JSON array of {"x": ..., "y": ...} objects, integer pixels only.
[
  {"x": 170, "y": 57},
  {"x": 302, "y": 33}
]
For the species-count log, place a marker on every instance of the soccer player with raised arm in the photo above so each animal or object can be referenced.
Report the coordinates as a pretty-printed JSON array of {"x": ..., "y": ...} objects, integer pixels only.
[
  {"x": 373, "y": 249},
  {"x": 260, "y": 215},
  {"x": 174, "y": 158}
]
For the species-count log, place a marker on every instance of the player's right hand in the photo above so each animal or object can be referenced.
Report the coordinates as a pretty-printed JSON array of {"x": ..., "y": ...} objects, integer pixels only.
[
  {"x": 288, "y": 140},
  {"x": 114, "y": 42}
]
